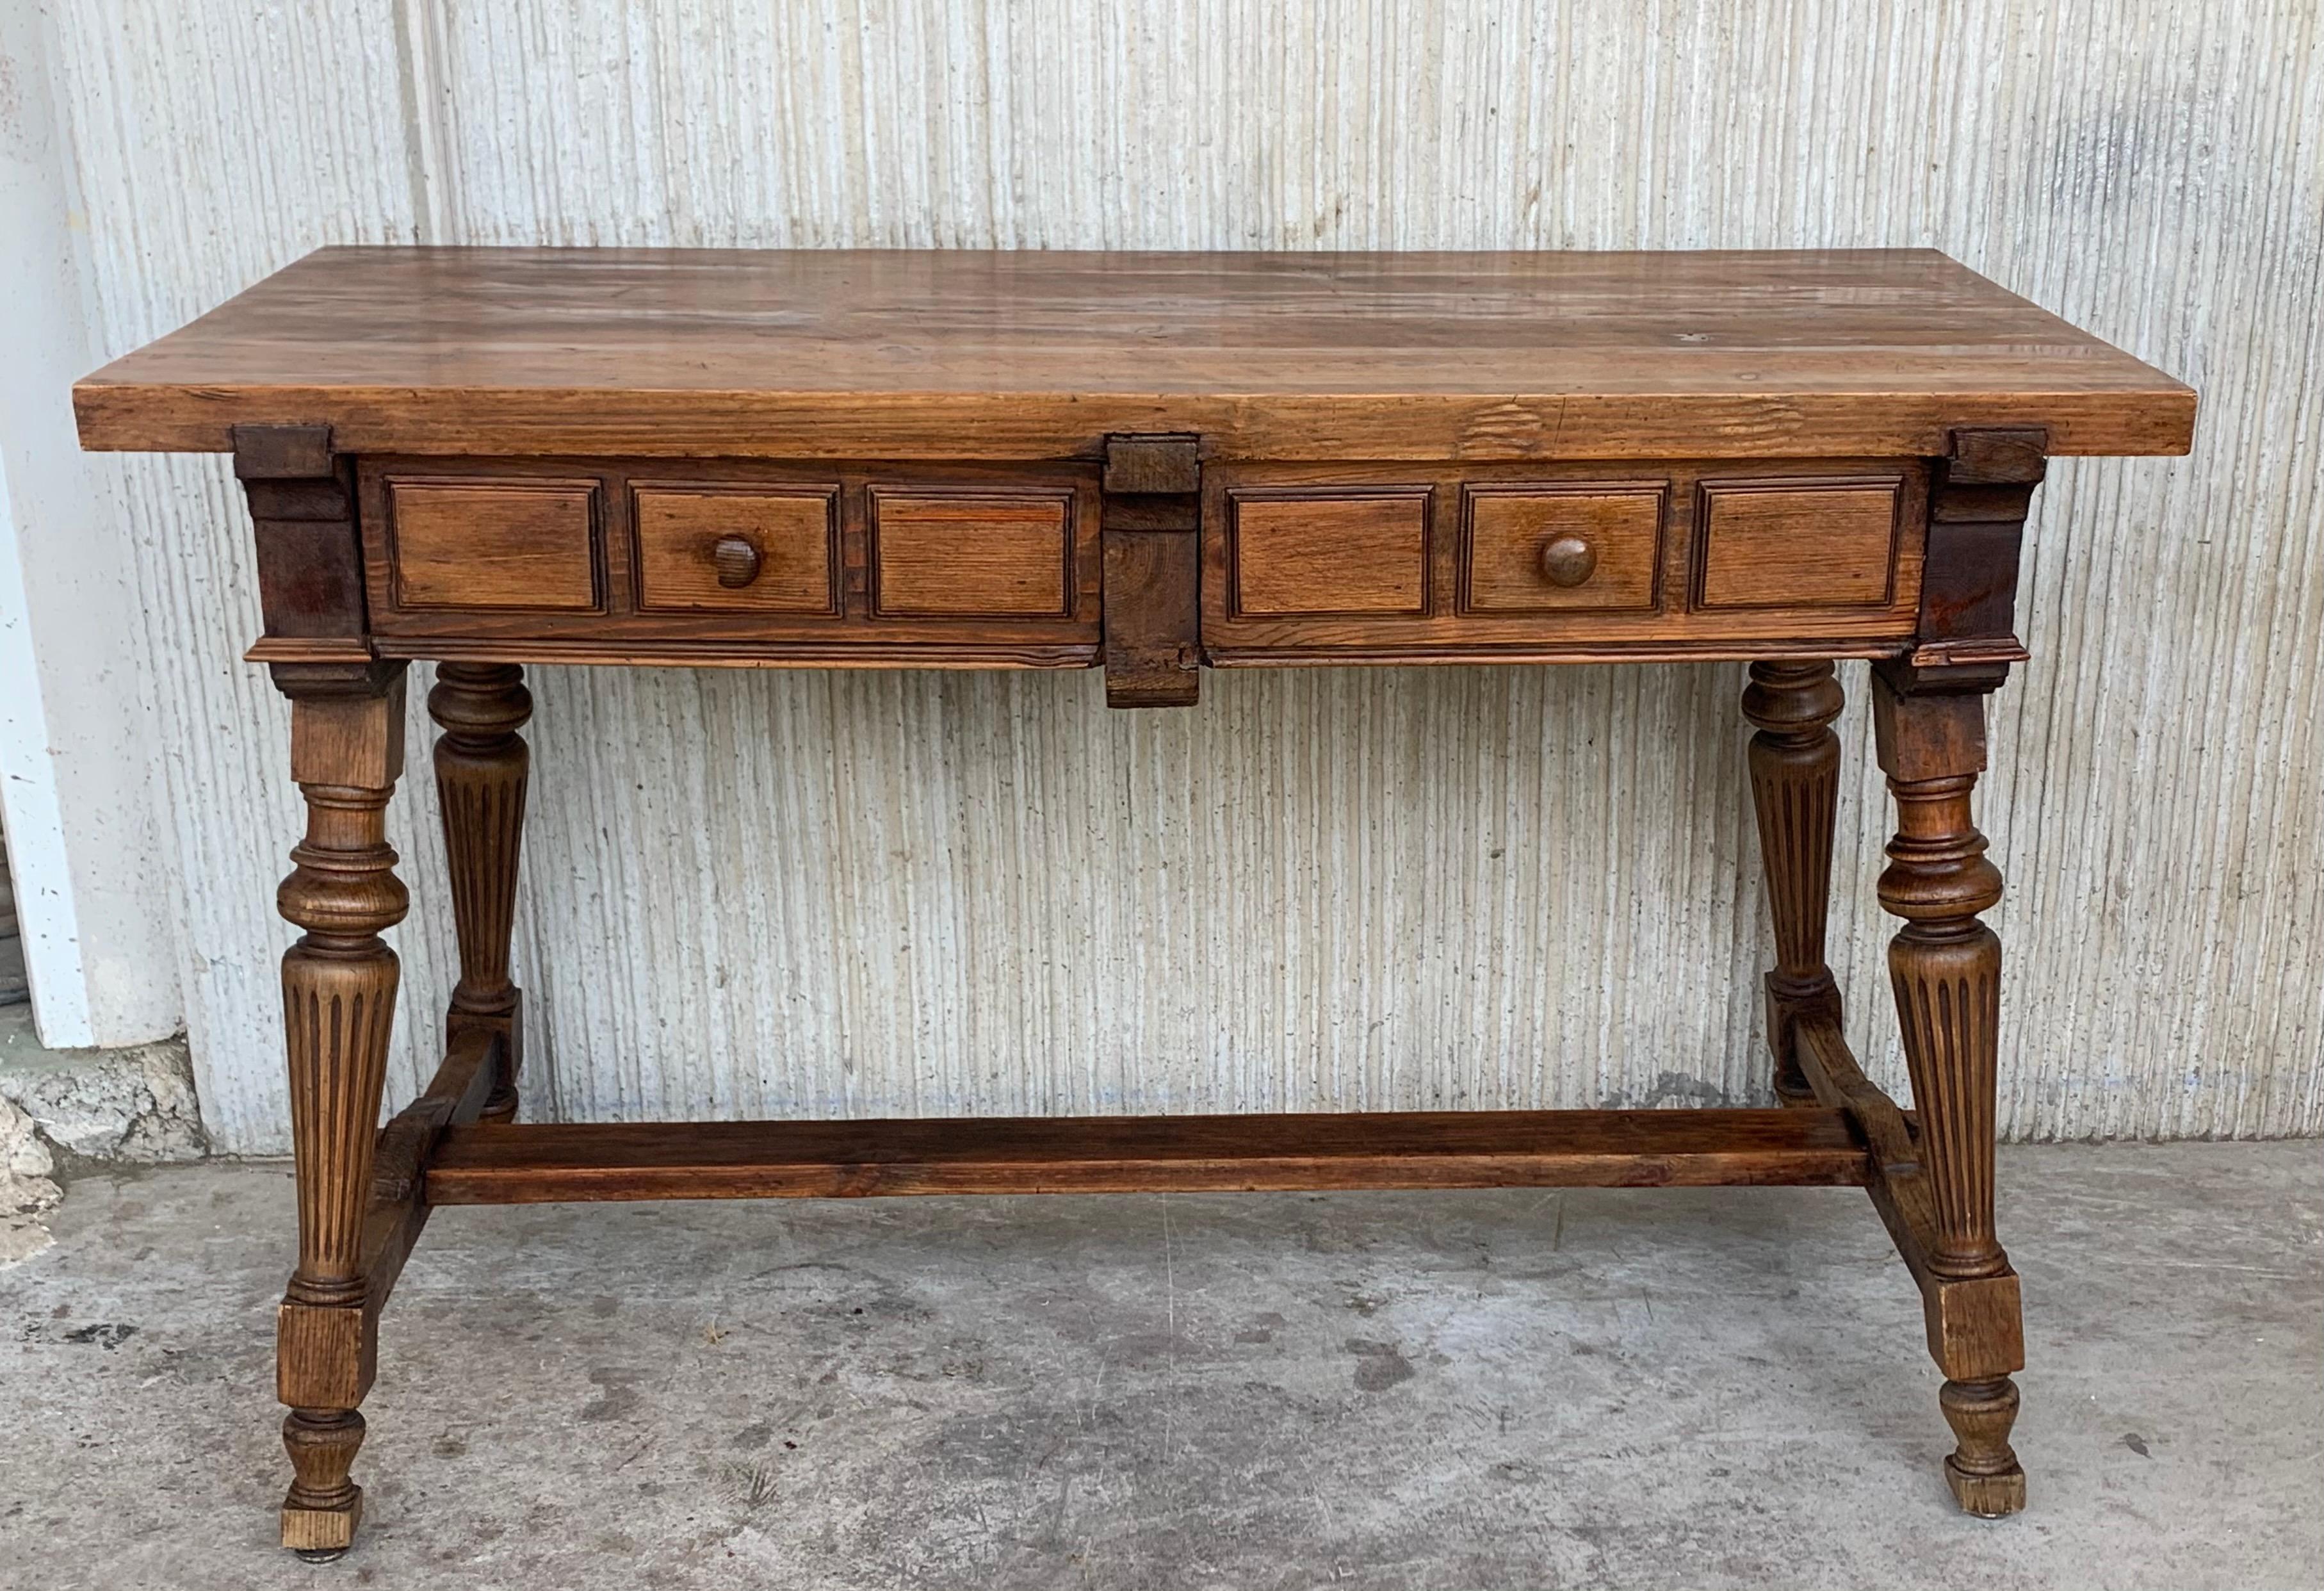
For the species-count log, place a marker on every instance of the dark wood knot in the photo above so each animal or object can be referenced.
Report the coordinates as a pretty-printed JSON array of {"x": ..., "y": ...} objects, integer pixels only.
[
  {"x": 737, "y": 561},
  {"x": 1568, "y": 561}
]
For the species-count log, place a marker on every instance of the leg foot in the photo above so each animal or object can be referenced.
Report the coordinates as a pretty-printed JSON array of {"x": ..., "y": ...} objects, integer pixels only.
[
  {"x": 320, "y": 1512},
  {"x": 1983, "y": 1469}
]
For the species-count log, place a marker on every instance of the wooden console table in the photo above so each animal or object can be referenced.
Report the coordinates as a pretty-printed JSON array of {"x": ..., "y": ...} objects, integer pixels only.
[{"x": 1145, "y": 463}]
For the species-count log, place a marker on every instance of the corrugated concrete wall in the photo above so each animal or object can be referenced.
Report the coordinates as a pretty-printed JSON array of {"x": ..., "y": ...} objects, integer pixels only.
[{"x": 812, "y": 894}]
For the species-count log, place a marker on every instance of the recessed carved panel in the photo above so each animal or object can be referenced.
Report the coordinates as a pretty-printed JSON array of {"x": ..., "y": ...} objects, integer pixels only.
[
  {"x": 1797, "y": 544},
  {"x": 1329, "y": 551},
  {"x": 511, "y": 544},
  {"x": 939, "y": 554}
]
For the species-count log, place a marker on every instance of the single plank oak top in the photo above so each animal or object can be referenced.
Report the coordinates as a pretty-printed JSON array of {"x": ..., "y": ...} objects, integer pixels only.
[{"x": 1026, "y": 355}]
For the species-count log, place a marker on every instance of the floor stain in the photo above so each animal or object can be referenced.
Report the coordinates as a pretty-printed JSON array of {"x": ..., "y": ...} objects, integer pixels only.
[
  {"x": 615, "y": 1396},
  {"x": 1379, "y": 1365},
  {"x": 1260, "y": 1330},
  {"x": 105, "y": 1334}
]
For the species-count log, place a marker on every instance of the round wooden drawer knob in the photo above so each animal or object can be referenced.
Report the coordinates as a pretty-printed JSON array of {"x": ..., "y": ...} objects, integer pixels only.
[
  {"x": 1568, "y": 561},
  {"x": 737, "y": 561}
]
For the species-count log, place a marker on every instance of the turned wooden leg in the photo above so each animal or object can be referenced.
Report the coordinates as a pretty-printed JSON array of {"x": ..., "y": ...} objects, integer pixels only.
[
  {"x": 481, "y": 765},
  {"x": 1946, "y": 967},
  {"x": 338, "y": 999},
  {"x": 1796, "y": 788}
]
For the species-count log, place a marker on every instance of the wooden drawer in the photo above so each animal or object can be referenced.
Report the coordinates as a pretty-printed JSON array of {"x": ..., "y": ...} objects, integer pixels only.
[
  {"x": 513, "y": 544},
  {"x": 970, "y": 553},
  {"x": 1526, "y": 547},
  {"x": 738, "y": 560},
  {"x": 1563, "y": 560},
  {"x": 735, "y": 548}
]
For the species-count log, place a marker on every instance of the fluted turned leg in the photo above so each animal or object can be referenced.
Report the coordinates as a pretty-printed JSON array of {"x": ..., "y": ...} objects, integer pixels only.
[
  {"x": 481, "y": 767},
  {"x": 1795, "y": 790},
  {"x": 1946, "y": 968},
  {"x": 338, "y": 998}
]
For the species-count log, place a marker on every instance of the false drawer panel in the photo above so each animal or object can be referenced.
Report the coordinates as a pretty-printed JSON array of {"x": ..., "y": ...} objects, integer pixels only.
[
  {"x": 970, "y": 553},
  {"x": 1331, "y": 552},
  {"x": 522, "y": 545},
  {"x": 1801, "y": 544}
]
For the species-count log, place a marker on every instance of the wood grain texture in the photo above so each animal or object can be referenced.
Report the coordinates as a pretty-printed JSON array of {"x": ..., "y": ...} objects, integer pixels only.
[
  {"x": 2165, "y": 196},
  {"x": 1404, "y": 563},
  {"x": 1945, "y": 966},
  {"x": 1153, "y": 571},
  {"x": 793, "y": 537},
  {"x": 1004, "y": 560},
  {"x": 1975, "y": 1331},
  {"x": 522, "y": 545},
  {"x": 1296, "y": 551},
  {"x": 1795, "y": 792},
  {"x": 1785, "y": 544},
  {"x": 462, "y": 1086},
  {"x": 1372, "y": 556},
  {"x": 307, "y": 552},
  {"x": 1506, "y": 529},
  {"x": 1978, "y": 504},
  {"x": 928, "y": 354},
  {"x": 338, "y": 995},
  {"x": 1162, "y": 464},
  {"x": 996, "y": 553},
  {"x": 1110, "y": 1154},
  {"x": 482, "y": 767}
]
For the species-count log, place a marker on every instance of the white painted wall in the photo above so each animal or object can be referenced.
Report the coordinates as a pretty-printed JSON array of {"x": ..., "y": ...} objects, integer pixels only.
[
  {"x": 94, "y": 892},
  {"x": 769, "y": 893}
]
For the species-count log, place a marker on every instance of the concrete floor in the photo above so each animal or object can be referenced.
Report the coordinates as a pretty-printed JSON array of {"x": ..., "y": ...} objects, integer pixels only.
[{"x": 1487, "y": 1389}]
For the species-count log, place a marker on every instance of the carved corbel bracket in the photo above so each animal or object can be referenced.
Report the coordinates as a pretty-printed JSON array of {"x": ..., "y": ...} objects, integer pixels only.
[
  {"x": 310, "y": 576},
  {"x": 1978, "y": 502},
  {"x": 1152, "y": 509}
]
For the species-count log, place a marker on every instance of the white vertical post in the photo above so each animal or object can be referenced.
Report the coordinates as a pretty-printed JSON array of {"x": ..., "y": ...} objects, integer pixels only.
[{"x": 93, "y": 894}]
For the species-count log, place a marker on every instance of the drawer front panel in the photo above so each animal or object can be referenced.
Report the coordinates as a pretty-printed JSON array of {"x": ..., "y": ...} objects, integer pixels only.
[
  {"x": 590, "y": 559},
  {"x": 1296, "y": 552},
  {"x": 967, "y": 554},
  {"x": 739, "y": 550},
  {"x": 1565, "y": 559},
  {"x": 1798, "y": 543},
  {"x": 1580, "y": 549},
  {"x": 522, "y": 545}
]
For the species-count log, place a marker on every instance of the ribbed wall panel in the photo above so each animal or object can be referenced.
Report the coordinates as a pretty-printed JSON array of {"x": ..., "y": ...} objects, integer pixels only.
[{"x": 814, "y": 895}]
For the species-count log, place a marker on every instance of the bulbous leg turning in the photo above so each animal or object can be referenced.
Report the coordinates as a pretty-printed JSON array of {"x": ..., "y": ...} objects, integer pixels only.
[
  {"x": 323, "y": 1507},
  {"x": 1982, "y": 1468}
]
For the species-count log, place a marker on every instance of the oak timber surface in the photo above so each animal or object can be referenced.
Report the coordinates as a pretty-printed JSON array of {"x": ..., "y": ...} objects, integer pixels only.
[{"x": 938, "y": 354}]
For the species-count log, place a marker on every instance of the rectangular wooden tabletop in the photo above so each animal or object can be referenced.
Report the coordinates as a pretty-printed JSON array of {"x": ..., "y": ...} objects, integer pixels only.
[{"x": 1026, "y": 355}]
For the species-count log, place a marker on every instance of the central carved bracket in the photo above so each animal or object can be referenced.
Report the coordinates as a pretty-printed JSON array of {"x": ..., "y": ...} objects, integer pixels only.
[{"x": 1152, "y": 513}]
